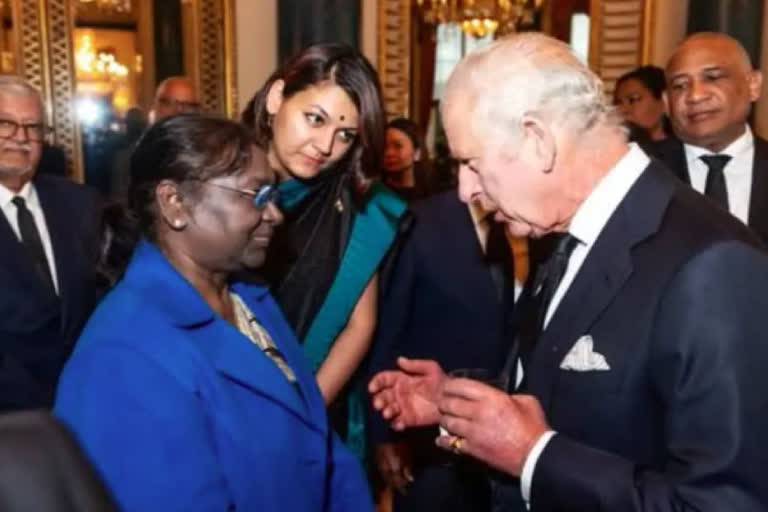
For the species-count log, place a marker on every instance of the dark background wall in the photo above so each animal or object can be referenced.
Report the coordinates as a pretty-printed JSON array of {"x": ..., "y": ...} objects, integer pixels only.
[
  {"x": 741, "y": 19},
  {"x": 169, "y": 49},
  {"x": 305, "y": 22}
]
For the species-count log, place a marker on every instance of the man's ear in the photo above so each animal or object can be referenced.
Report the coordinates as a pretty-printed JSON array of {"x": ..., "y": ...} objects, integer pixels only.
[
  {"x": 170, "y": 205},
  {"x": 275, "y": 97},
  {"x": 755, "y": 84},
  {"x": 538, "y": 137}
]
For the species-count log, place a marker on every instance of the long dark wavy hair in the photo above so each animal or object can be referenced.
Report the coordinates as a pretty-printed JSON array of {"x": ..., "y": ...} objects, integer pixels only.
[
  {"x": 186, "y": 149},
  {"x": 341, "y": 65}
]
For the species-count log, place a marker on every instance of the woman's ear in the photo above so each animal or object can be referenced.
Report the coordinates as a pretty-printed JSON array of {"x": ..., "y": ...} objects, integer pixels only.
[
  {"x": 170, "y": 205},
  {"x": 275, "y": 97}
]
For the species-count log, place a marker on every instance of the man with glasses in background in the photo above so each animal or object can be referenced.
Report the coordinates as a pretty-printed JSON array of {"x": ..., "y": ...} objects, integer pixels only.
[{"x": 49, "y": 239}]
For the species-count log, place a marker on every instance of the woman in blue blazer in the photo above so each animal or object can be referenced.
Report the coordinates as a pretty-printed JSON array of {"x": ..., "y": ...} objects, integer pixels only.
[{"x": 187, "y": 388}]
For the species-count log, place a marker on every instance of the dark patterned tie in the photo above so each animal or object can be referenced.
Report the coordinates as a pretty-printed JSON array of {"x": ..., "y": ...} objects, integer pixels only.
[
  {"x": 547, "y": 280},
  {"x": 716, "y": 188},
  {"x": 30, "y": 238}
]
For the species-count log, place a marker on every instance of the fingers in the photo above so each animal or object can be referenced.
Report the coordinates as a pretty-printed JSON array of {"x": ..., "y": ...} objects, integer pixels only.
[
  {"x": 392, "y": 462},
  {"x": 455, "y": 444},
  {"x": 456, "y": 406},
  {"x": 382, "y": 380},
  {"x": 467, "y": 389},
  {"x": 457, "y": 427},
  {"x": 419, "y": 366}
]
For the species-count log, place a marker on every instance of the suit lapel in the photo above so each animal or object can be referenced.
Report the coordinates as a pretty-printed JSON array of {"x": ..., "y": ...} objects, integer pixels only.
[
  {"x": 467, "y": 260},
  {"x": 64, "y": 243},
  {"x": 14, "y": 260},
  {"x": 602, "y": 275},
  {"x": 758, "y": 197},
  {"x": 233, "y": 355},
  {"x": 230, "y": 352}
]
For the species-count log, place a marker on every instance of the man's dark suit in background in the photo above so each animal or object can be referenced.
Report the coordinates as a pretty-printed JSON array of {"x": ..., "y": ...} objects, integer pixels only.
[
  {"x": 37, "y": 327},
  {"x": 444, "y": 302},
  {"x": 672, "y": 153}
]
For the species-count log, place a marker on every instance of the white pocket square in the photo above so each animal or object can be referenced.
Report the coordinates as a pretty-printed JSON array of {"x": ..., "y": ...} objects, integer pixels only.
[{"x": 583, "y": 358}]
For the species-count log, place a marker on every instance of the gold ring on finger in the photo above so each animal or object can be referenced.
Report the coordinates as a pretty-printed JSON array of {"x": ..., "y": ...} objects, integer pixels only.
[{"x": 456, "y": 445}]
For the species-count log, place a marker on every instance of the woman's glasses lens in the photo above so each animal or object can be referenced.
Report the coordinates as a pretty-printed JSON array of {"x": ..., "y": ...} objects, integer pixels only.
[{"x": 265, "y": 195}]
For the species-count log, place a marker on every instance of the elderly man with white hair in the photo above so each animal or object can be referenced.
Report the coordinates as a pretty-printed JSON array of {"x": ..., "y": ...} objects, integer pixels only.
[
  {"x": 640, "y": 369},
  {"x": 49, "y": 241}
]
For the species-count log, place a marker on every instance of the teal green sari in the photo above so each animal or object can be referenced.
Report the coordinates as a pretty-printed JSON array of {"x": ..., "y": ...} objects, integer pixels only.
[{"x": 373, "y": 229}]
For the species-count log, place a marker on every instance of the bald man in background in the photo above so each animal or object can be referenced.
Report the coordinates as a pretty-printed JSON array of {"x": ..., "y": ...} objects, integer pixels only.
[
  {"x": 174, "y": 95},
  {"x": 711, "y": 86}
]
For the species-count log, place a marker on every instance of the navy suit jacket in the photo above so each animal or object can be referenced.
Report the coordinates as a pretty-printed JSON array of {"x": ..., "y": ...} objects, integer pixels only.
[
  {"x": 672, "y": 153},
  {"x": 179, "y": 411},
  {"x": 673, "y": 294},
  {"x": 440, "y": 301},
  {"x": 38, "y": 329}
]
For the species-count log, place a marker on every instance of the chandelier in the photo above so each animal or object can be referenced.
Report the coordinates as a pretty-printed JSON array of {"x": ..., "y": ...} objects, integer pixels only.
[
  {"x": 480, "y": 18},
  {"x": 117, "y": 6},
  {"x": 102, "y": 64}
]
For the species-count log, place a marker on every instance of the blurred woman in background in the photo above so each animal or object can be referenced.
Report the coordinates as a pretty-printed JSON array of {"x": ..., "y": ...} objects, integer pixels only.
[
  {"x": 639, "y": 95},
  {"x": 403, "y": 169}
]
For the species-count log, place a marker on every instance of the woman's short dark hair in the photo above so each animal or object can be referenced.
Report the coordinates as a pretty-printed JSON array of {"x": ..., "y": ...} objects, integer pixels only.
[
  {"x": 186, "y": 149},
  {"x": 652, "y": 78},
  {"x": 341, "y": 65},
  {"x": 409, "y": 128}
]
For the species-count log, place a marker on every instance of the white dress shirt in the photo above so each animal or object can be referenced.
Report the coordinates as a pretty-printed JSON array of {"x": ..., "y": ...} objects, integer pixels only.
[
  {"x": 587, "y": 224},
  {"x": 737, "y": 172},
  {"x": 29, "y": 194}
]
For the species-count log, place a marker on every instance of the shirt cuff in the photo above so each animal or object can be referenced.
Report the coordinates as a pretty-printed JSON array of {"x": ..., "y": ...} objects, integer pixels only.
[{"x": 526, "y": 478}]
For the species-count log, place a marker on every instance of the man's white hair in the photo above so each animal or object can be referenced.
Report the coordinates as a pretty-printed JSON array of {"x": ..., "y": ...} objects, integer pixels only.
[
  {"x": 528, "y": 74},
  {"x": 14, "y": 84}
]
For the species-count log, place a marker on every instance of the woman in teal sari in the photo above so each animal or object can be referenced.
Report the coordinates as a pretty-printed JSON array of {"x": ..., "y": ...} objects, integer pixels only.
[{"x": 321, "y": 118}]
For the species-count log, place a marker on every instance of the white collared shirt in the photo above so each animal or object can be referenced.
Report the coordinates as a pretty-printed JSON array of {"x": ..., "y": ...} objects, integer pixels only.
[
  {"x": 738, "y": 172},
  {"x": 586, "y": 225},
  {"x": 29, "y": 194}
]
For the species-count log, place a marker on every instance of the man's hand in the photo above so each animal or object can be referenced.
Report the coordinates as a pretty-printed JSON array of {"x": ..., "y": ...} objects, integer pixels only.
[
  {"x": 408, "y": 397},
  {"x": 393, "y": 461},
  {"x": 497, "y": 428}
]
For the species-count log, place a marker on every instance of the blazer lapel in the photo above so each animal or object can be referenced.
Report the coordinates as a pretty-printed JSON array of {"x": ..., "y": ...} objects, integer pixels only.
[
  {"x": 471, "y": 270},
  {"x": 602, "y": 275},
  {"x": 236, "y": 357},
  {"x": 59, "y": 223},
  {"x": 758, "y": 197},
  {"x": 672, "y": 153},
  {"x": 15, "y": 268},
  {"x": 230, "y": 352}
]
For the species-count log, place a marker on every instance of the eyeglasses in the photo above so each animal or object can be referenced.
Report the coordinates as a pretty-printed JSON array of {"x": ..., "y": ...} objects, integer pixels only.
[
  {"x": 262, "y": 196},
  {"x": 181, "y": 106},
  {"x": 34, "y": 132}
]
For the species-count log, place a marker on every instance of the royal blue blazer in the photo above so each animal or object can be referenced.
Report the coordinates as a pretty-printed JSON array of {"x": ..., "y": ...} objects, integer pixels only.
[{"x": 178, "y": 411}]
